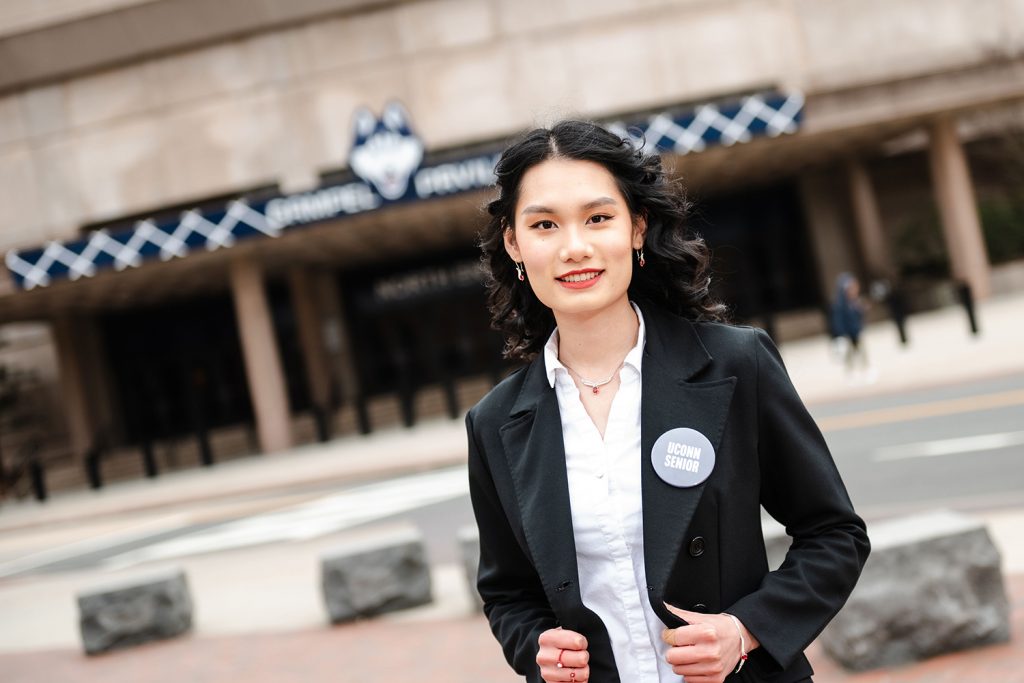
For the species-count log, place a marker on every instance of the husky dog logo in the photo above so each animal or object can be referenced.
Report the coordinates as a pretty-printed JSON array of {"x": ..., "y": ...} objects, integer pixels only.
[{"x": 386, "y": 152}]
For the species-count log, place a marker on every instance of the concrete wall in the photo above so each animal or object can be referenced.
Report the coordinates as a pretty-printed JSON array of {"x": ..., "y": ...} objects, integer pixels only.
[{"x": 276, "y": 106}]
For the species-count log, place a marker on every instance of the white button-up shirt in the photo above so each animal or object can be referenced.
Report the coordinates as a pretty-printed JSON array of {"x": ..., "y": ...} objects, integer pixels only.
[{"x": 607, "y": 518}]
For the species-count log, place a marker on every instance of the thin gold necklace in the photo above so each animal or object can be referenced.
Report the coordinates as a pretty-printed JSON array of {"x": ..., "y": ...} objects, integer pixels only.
[{"x": 595, "y": 386}]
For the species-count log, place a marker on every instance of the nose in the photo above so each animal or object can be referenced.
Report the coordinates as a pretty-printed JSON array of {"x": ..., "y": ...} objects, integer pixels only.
[{"x": 576, "y": 246}]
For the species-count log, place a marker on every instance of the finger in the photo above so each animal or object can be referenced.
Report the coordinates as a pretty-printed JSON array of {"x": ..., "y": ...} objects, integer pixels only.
[
  {"x": 694, "y": 634},
  {"x": 693, "y": 660},
  {"x": 562, "y": 639},
  {"x": 569, "y": 659},
  {"x": 574, "y": 659},
  {"x": 555, "y": 675}
]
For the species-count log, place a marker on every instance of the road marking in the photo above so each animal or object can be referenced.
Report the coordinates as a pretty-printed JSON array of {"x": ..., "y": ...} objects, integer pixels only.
[
  {"x": 309, "y": 520},
  {"x": 966, "y": 444},
  {"x": 919, "y": 411},
  {"x": 48, "y": 556}
]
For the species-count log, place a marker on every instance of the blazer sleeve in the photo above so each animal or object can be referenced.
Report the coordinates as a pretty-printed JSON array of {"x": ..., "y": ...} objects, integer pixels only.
[
  {"x": 512, "y": 593},
  {"x": 802, "y": 489}
]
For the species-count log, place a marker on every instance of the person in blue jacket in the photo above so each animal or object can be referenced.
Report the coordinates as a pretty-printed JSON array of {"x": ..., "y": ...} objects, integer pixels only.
[{"x": 848, "y": 310}]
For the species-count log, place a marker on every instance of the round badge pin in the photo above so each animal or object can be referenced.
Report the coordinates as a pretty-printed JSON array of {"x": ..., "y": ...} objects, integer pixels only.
[{"x": 683, "y": 457}]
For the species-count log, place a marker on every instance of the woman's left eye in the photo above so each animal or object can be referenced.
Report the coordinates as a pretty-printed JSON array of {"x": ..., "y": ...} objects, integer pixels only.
[{"x": 600, "y": 218}]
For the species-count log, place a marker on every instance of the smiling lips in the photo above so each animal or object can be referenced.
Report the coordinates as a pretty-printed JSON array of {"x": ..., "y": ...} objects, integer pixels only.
[{"x": 580, "y": 279}]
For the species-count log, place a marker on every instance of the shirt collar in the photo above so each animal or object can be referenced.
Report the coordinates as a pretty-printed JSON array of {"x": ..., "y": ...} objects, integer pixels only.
[{"x": 633, "y": 358}]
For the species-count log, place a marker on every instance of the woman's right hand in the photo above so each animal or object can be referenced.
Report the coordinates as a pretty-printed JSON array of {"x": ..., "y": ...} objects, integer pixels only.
[{"x": 571, "y": 647}]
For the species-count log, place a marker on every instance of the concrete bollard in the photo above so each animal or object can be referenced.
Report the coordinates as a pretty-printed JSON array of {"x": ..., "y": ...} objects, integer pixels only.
[
  {"x": 469, "y": 547},
  {"x": 134, "y": 611},
  {"x": 932, "y": 585},
  {"x": 384, "y": 573}
]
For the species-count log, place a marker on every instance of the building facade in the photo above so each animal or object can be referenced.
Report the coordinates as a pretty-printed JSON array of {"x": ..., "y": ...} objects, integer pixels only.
[{"x": 234, "y": 227}]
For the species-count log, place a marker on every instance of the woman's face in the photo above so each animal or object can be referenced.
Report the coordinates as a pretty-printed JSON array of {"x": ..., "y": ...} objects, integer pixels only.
[{"x": 575, "y": 237}]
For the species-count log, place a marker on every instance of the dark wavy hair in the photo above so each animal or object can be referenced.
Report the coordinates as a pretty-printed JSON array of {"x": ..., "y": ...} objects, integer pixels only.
[{"x": 676, "y": 272}]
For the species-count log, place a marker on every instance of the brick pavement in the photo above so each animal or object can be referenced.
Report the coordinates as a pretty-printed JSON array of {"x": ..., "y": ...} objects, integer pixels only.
[{"x": 447, "y": 651}]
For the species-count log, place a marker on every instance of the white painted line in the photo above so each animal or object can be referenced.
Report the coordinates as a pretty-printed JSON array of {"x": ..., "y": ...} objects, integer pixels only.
[
  {"x": 966, "y": 444},
  {"x": 85, "y": 546},
  {"x": 310, "y": 520}
]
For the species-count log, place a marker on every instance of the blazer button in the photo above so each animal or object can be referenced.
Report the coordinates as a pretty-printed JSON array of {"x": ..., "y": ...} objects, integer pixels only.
[
  {"x": 700, "y": 607},
  {"x": 697, "y": 546}
]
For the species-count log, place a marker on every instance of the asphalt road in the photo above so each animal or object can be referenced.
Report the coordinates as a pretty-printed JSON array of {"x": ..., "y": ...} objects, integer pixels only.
[{"x": 959, "y": 446}]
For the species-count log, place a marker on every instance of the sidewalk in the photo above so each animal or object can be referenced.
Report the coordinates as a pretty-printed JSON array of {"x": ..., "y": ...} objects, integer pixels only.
[
  {"x": 941, "y": 351},
  {"x": 281, "y": 635}
]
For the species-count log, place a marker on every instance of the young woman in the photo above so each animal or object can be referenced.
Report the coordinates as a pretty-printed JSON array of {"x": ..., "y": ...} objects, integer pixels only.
[{"x": 617, "y": 479}]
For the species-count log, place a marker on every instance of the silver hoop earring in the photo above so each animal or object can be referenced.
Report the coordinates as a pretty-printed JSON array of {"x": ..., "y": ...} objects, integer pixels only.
[
  {"x": 519, "y": 271},
  {"x": 640, "y": 257}
]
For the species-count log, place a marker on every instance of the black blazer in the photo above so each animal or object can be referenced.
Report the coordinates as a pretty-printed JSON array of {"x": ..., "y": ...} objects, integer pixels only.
[{"x": 728, "y": 383}]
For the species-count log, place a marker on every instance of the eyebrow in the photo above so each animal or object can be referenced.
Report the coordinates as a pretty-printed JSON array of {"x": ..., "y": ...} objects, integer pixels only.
[{"x": 593, "y": 204}]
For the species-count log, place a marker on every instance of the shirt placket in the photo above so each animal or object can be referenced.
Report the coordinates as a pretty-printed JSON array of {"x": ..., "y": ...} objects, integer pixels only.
[{"x": 617, "y": 442}]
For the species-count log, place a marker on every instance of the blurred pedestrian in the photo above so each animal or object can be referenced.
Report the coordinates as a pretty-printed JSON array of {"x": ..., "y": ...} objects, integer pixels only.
[
  {"x": 617, "y": 479},
  {"x": 848, "y": 310}
]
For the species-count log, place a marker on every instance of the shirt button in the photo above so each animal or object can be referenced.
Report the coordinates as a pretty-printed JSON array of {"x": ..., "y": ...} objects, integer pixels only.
[
  {"x": 600, "y": 474},
  {"x": 697, "y": 546}
]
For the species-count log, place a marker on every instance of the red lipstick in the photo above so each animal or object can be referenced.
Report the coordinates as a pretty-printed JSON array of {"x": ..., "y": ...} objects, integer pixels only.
[{"x": 580, "y": 279}]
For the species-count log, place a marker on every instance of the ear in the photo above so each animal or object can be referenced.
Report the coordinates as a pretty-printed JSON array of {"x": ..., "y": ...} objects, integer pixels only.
[
  {"x": 511, "y": 248},
  {"x": 396, "y": 118},
  {"x": 639, "y": 231},
  {"x": 363, "y": 124}
]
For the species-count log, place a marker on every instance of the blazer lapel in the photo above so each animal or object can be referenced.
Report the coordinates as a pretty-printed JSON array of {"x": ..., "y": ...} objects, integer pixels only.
[
  {"x": 673, "y": 354},
  {"x": 536, "y": 458}
]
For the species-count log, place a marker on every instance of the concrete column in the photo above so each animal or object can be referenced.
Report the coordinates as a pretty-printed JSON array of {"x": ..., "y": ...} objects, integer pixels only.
[
  {"x": 262, "y": 360},
  {"x": 308, "y": 318},
  {"x": 824, "y": 200},
  {"x": 958, "y": 210},
  {"x": 874, "y": 248},
  {"x": 71, "y": 365}
]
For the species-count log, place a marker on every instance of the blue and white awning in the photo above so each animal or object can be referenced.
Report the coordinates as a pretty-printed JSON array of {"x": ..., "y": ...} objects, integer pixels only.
[
  {"x": 712, "y": 124},
  {"x": 389, "y": 171}
]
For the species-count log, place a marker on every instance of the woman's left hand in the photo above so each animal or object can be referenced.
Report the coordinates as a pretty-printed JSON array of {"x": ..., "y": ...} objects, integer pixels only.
[{"x": 707, "y": 649}]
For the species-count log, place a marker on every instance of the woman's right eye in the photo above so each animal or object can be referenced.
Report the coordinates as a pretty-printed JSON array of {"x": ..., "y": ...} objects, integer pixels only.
[{"x": 543, "y": 225}]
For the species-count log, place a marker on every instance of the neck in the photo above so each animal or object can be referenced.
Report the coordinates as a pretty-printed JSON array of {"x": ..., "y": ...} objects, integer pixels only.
[{"x": 595, "y": 344}]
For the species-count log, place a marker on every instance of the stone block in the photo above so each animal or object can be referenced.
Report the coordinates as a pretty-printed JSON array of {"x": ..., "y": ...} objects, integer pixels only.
[
  {"x": 469, "y": 547},
  {"x": 932, "y": 585},
  {"x": 135, "y": 610},
  {"x": 374, "y": 575}
]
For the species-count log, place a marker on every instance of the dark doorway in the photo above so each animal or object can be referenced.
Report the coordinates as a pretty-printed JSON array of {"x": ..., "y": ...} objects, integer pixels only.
[
  {"x": 422, "y": 324},
  {"x": 178, "y": 369},
  {"x": 179, "y": 372},
  {"x": 762, "y": 260}
]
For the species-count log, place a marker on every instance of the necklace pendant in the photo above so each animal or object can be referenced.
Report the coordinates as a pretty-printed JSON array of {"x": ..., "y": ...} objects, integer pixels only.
[{"x": 597, "y": 390}]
